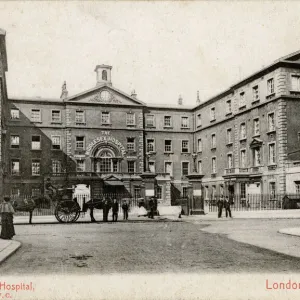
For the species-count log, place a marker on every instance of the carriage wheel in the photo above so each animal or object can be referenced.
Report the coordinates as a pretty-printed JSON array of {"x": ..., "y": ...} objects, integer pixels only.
[{"x": 67, "y": 212}]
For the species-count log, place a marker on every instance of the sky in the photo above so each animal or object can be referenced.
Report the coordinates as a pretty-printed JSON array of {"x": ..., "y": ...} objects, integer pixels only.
[{"x": 159, "y": 49}]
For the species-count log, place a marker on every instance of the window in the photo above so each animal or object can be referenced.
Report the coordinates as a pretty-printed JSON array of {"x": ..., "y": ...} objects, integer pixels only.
[
  {"x": 15, "y": 192},
  {"x": 80, "y": 117},
  {"x": 213, "y": 141},
  {"x": 55, "y": 142},
  {"x": 229, "y": 136},
  {"x": 206, "y": 193},
  {"x": 214, "y": 165},
  {"x": 36, "y": 115},
  {"x": 185, "y": 192},
  {"x": 35, "y": 168},
  {"x": 131, "y": 166},
  {"x": 15, "y": 167},
  {"x": 229, "y": 161},
  {"x": 185, "y": 122},
  {"x": 56, "y": 166},
  {"x": 272, "y": 189},
  {"x": 256, "y": 129},
  {"x": 257, "y": 158},
  {"x": 212, "y": 114},
  {"x": 14, "y": 114},
  {"x": 137, "y": 192},
  {"x": 243, "y": 131},
  {"x": 104, "y": 75},
  {"x": 295, "y": 83},
  {"x": 184, "y": 146},
  {"x": 35, "y": 142},
  {"x": 242, "y": 100},
  {"x": 271, "y": 121},
  {"x": 272, "y": 154},
  {"x": 130, "y": 144},
  {"x": 213, "y": 192},
  {"x": 80, "y": 165},
  {"x": 243, "y": 190},
  {"x": 35, "y": 192},
  {"x": 199, "y": 145},
  {"x": 169, "y": 168},
  {"x": 80, "y": 143},
  {"x": 185, "y": 168},
  {"x": 152, "y": 166},
  {"x": 150, "y": 145},
  {"x": 228, "y": 107},
  {"x": 130, "y": 119},
  {"x": 105, "y": 117},
  {"x": 168, "y": 145},
  {"x": 56, "y": 116},
  {"x": 243, "y": 158},
  {"x": 270, "y": 86},
  {"x": 199, "y": 120},
  {"x": 167, "y": 121},
  {"x": 199, "y": 166},
  {"x": 255, "y": 94},
  {"x": 159, "y": 192},
  {"x": 297, "y": 187},
  {"x": 150, "y": 121},
  {"x": 14, "y": 141},
  {"x": 106, "y": 163}
]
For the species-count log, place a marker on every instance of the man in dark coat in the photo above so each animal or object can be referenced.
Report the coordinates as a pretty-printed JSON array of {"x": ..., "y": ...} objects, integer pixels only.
[
  {"x": 115, "y": 210},
  {"x": 105, "y": 210},
  {"x": 125, "y": 208},
  {"x": 220, "y": 204},
  {"x": 151, "y": 206},
  {"x": 227, "y": 207}
]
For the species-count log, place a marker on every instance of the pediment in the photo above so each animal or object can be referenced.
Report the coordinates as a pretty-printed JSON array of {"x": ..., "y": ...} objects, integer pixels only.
[
  {"x": 105, "y": 94},
  {"x": 111, "y": 178},
  {"x": 256, "y": 143}
]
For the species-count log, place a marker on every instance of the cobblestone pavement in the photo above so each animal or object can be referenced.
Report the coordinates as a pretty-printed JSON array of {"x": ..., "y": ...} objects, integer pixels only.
[{"x": 152, "y": 247}]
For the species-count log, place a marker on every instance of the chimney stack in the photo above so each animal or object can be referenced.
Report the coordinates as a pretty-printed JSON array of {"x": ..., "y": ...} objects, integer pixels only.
[
  {"x": 64, "y": 92},
  {"x": 198, "y": 98},
  {"x": 133, "y": 94},
  {"x": 180, "y": 100}
]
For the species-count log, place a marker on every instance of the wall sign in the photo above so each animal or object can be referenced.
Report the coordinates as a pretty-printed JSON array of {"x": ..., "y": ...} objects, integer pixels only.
[{"x": 108, "y": 139}]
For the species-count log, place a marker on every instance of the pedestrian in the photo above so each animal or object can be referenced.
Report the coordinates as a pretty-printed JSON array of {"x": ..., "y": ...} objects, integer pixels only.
[
  {"x": 7, "y": 225},
  {"x": 115, "y": 210},
  {"x": 227, "y": 207},
  {"x": 105, "y": 210},
  {"x": 151, "y": 206},
  {"x": 125, "y": 208},
  {"x": 220, "y": 204}
]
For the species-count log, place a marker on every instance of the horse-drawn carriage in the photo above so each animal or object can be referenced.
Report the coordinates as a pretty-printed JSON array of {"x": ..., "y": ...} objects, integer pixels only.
[{"x": 66, "y": 209}]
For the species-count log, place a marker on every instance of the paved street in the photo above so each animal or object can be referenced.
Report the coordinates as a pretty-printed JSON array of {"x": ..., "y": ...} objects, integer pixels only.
[{"x": 150, "y": 247}]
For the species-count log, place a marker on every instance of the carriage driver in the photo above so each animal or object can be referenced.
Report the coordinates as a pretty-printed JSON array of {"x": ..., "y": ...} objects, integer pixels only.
[{"x": 50, "y": 188}]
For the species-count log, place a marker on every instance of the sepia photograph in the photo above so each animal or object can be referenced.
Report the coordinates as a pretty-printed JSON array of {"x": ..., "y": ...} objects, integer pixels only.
[{"x": 149, "y": 150}]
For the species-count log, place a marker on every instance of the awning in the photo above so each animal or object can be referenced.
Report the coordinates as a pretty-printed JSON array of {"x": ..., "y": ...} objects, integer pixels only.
[{"x": 114, "y": 182}]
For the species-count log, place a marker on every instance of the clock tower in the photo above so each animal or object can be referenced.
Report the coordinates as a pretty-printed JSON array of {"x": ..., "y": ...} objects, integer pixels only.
[{"x": 103, "y": 74}]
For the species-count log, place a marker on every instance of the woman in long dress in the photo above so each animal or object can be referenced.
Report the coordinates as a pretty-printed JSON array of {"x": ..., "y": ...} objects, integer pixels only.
[{"x": 7, "y": 225}]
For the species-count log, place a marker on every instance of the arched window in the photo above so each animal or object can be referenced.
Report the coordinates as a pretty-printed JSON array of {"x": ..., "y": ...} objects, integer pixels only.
[
  {"x": 107, "y": 163},
  {"x": 104, "y": 75}
]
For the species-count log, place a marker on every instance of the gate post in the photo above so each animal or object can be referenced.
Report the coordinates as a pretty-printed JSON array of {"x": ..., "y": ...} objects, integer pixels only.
[
  {"x": 197, "y": 198},
  {"x": 149, "y": 181}
]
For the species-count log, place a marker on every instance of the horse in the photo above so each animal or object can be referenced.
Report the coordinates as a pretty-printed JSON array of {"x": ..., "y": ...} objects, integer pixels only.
[
  {"x": 95, "y": 203},
  {"x": 28, "y": 205}
]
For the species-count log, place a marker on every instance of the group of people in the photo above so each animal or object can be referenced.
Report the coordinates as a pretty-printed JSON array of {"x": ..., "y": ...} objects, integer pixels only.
[
  {"x": 115, "y": 210},
  {"x": 224, "y": 203},
  {"x": 7, "y": 225}
]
